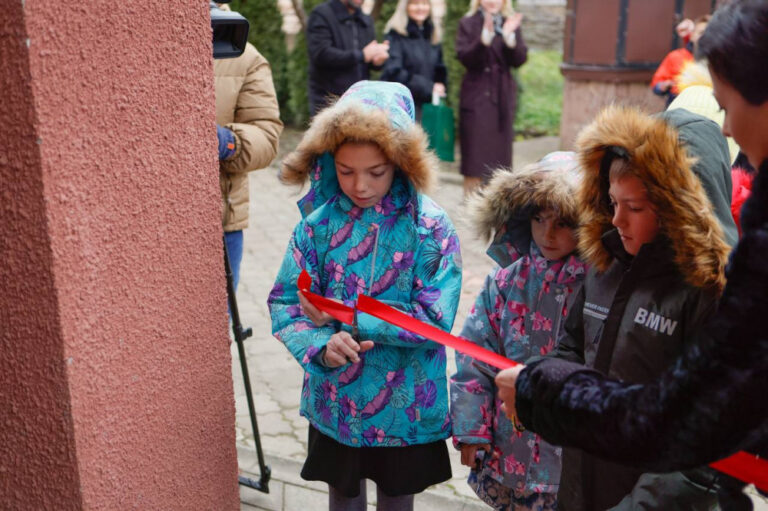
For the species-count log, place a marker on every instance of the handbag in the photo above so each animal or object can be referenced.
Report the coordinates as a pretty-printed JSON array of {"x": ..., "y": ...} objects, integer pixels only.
[{"x": 437, "y": 121}]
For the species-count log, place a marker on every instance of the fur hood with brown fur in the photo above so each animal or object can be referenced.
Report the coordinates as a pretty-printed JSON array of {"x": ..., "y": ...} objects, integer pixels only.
[
  {"x": 378, "y": 112},
  {"x": 684, "y": 210},
  {"x": 502, "y": 210}
]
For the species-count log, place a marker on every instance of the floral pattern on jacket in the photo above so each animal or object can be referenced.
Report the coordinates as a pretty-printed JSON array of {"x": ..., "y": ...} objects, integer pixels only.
[
  {"x": 397, "y": 394},
  {"x": 519, "y": 314}
]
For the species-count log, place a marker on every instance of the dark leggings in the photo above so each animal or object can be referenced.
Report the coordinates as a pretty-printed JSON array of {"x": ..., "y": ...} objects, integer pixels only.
[{"x": 338, "y": 502}]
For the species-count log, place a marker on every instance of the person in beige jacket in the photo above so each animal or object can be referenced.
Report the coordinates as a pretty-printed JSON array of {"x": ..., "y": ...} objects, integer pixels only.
[{"x": 248, "y": 127}]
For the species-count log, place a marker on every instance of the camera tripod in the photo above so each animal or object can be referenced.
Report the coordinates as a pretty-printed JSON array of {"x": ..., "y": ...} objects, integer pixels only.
[{"x": 240, "y": 335}]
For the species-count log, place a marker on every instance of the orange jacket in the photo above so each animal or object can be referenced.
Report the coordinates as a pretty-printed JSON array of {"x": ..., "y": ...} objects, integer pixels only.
[{"x": 670, "y": 67}]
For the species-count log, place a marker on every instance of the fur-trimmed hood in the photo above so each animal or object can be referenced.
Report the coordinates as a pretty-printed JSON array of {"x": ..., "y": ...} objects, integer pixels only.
[
  {"x": 501, "y": 211},
  {"x": 684, "y": 210},
  {"x": 378, "y": 112}
]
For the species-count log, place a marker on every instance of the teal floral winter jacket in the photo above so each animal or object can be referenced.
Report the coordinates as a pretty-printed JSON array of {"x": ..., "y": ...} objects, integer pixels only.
[{"x": 397, "y": 394}]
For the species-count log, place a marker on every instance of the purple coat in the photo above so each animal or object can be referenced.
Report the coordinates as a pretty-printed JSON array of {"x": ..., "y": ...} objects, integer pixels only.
[{"x": 488, "y": 97}]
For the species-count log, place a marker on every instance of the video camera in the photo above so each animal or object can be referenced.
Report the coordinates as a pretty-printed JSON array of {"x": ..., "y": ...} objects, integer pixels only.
[{"x": 230, "y": 32}]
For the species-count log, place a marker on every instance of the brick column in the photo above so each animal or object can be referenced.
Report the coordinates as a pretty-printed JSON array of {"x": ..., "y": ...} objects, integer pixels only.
[{"x": 116, "y": 385}]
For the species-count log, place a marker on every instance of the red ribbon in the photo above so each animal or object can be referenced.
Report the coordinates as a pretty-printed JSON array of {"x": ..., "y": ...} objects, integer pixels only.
[
  {"x": 746, "y": 467},
  {"x": 742, "y": 465},
  {"x": 335, "y": 309},
  {"x": 398, "y": 318}
]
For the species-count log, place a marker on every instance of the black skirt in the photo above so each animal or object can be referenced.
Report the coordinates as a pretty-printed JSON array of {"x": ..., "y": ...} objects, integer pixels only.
[{"x": 395, "y": 470}]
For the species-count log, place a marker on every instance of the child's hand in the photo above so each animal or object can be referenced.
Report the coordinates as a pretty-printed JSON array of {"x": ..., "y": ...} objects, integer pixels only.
[
  {"x": 317, "y": 316},
  {"x": 468, "y": 452},
  {"x": 342, "y": 348}
]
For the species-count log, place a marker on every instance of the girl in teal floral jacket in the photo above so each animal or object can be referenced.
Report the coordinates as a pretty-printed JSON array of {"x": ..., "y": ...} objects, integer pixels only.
[
  {"x": 519, "y": 314},
  {"x": 378, "y": 409}
]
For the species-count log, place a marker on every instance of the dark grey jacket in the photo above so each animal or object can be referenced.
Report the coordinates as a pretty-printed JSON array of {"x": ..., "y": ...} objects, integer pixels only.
[{"x": 704, "y": 141}]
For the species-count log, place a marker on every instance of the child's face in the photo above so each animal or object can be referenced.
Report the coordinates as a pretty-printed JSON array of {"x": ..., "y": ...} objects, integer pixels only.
[
  {"x": 364, "y": 172},
  {"x": 554, "y": 237},
  {"x": 633, "y": 214}
]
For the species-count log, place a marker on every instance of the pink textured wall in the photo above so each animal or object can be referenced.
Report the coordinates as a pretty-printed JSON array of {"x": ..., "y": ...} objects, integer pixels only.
[
  {"x": 38, "y": 465},
  {"x": 117, "y": 346}
]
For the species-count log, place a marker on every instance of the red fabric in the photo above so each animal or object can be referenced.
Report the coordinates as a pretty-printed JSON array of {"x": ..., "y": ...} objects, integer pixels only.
[
  {"x": 670, "y": 68},
  {"x": 742, "y": 188}
]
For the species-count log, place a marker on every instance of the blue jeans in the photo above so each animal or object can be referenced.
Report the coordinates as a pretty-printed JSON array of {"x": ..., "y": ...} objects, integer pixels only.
[{"x": 234, "y": 241}]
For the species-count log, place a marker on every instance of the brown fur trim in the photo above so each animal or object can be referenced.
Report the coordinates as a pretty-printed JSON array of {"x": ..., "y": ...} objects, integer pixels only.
[
  {"x": 407, "y": 149},
  {"x": 509, "y": 192},
  {"x": 681, "y": 203}
]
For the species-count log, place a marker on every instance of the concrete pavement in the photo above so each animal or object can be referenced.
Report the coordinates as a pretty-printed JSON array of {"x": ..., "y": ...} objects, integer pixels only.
[{"x": 276, "y": 377}]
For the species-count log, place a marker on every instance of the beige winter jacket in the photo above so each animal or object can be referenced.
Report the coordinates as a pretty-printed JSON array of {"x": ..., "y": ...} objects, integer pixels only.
[{"x": 246, "y": 103}]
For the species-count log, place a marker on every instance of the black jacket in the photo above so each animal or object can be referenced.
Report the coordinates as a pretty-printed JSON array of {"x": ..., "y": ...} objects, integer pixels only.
[
  {"x": 415, "y": 62},
  {"x": 708, "y": 405},
  {"x": 335, "y": 41}
]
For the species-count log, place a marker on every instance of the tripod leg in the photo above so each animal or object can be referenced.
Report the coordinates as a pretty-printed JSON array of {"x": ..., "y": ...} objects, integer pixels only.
[{"x": 240, "y": 335}]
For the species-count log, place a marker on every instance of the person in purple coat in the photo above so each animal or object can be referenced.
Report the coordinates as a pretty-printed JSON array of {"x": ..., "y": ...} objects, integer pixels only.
[{"x": 488, "y": 43}]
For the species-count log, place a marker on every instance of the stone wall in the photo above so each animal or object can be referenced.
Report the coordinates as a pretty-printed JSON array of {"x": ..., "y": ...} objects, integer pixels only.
[{"x": 543, "y": 23}]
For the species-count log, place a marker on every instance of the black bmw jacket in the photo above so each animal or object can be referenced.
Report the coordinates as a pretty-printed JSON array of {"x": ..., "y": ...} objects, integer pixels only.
[
  {"x": 631, "y": 322},
  {"x": 638, "y": 314}
]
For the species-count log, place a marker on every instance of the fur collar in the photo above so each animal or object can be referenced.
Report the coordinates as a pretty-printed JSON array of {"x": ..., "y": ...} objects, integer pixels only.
[
  {"x": 502, "y": 209},
  {"x": 406, "y": 146},
  {"x": 700, "y": 252}
]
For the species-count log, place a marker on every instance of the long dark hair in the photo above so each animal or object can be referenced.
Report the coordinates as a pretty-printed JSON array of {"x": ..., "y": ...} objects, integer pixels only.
[{"x": 735, "y": 44}]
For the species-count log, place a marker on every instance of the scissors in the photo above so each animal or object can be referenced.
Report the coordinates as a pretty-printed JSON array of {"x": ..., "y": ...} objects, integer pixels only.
[{"x": 355, "y": 331}]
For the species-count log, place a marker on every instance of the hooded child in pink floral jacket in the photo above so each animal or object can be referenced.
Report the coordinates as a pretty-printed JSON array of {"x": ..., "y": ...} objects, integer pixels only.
[{"x": 519, "y": 313}]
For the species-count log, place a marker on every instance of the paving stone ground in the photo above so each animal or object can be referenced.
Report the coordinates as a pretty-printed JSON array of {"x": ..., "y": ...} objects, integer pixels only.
[{"x": 276, "y": 377}]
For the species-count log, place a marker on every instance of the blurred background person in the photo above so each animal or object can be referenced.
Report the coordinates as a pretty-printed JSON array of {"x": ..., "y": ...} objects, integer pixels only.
[
  {"x": 415, "y": 52},
  {"x": 488, "y": 43},
  {"x": 342, "y": 46},
  {"x": 664, "y": 79},
  {"x": 248, "y": 127}
]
